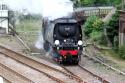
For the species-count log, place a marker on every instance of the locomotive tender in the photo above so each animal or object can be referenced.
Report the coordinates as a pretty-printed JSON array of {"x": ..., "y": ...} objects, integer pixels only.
[{"x": 63, "y": 38}]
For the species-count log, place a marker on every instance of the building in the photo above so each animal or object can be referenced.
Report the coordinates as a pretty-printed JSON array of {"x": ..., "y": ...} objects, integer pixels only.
[
  {"x": 122, "y": 28},
  {"x": 4, "y": 19}
]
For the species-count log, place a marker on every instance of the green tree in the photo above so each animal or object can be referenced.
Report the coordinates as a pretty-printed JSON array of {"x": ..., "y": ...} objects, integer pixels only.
[
  {"x": 92, "y": 24},
  {"x": 113, "y": 26},
  {"x": 95, "y": 2}
]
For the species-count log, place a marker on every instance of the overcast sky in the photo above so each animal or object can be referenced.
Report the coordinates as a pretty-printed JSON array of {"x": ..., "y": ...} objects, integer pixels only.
[
  {"x": 30, "y": 5},
  {"x": 48, "y": 8}
]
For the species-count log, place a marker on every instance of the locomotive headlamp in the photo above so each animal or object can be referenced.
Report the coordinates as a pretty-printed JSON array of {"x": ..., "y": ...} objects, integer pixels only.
[
  {"x": 57, "y": 42},
  {"x": 65, "y": 40},
  {"x": 80, "y": 42}
]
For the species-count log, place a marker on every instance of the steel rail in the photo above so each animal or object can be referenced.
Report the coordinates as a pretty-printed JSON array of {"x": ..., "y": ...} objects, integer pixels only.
[
  {"x": 99, "y": 78},
  {"x": 75, "y": 76},
  {"x": 35, "y": 64},
  {"x": 20, "y": 58},
  {"x": 26, "y": 80},
  {"x": 103, "y": 63}
]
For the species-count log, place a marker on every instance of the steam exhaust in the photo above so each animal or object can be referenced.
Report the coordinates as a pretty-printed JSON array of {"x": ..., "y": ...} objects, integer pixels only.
[
  {"x": 51, "y": 9},
  {"x": 54, "y": 9}
]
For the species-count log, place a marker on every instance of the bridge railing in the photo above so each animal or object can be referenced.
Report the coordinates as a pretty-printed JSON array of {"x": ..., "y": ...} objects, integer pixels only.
[{"x": 97, "y": 11}]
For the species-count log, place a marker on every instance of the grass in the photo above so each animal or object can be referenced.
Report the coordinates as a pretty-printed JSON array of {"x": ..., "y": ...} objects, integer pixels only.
[
  {"x": 29, "y": 25},
  {"x": 114, "y": 57},
  {"x": 29, "y": 30},
  {"x": 111, "y": 53}
]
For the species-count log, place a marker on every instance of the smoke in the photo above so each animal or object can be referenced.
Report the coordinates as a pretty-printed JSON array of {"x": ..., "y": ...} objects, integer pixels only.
[
  {"x": 48, "y": 8},
  {"x": 40, "y": 41},
  {"x": 32, "y": 6},
  {"x": 51, "y": 9},
  {"x": 54, "y": 9}
]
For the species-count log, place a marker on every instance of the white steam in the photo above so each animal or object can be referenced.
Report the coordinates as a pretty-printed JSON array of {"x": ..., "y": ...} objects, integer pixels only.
[
  {"x": 52, "y": 9},
  {"x": 32, "y": 6},
  {"x": 49, "y": 8},
  {"x": 39, "y": 43}
]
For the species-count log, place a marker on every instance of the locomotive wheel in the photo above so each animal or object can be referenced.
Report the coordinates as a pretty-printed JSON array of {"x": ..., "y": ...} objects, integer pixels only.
[
  {"x": 60, "y": 62},
  {"x": 76, "y": 62},
  {"x": 46, "y": 46}
]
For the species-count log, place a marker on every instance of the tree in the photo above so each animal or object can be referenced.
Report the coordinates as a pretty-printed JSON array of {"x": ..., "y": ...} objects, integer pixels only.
[
  {"x": 78, "y": 3},
  {"x": 113, "y": 26},
  {"x": 93, "y": 25}
]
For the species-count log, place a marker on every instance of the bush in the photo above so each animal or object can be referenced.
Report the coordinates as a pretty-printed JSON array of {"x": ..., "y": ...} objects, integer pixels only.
[
  {"x": 121, "y": 51},
  {"x": 113, "y": 27},
  {"x": 93, "y": 29},
  {"x": 93, "y": 24},
  {"x": 96, "y": 35},
  {"x": 88, "y": 27}
]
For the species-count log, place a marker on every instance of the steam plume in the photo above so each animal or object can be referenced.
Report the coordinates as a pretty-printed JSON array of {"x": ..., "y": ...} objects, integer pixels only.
[
  {"x": 40, "y": 41},
  {"x": 49, "y": 8},
  {"x": 52, "y": 9}
]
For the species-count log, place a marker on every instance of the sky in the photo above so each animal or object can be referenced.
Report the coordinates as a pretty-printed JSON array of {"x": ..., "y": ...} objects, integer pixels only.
[
  {"x": 33, "y": 6},
  {"x": 48, "y": 8}
]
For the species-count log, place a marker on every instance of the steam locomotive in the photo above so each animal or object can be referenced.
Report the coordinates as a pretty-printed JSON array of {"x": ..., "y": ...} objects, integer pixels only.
[{"x": 63, "y": 38}]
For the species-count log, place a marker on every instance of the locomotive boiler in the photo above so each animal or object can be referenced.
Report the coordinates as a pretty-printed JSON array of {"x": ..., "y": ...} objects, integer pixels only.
[{"x": 63, "y": 38}]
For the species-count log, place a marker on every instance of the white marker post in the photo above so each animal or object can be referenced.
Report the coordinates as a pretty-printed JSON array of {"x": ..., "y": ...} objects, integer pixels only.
[{"x": 1, "y": 80}]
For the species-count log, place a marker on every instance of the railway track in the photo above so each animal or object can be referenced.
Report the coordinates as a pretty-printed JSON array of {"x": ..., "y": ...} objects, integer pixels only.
[
  {"x": 96, "y": 76},
  {"x": 81, "y": 72},
  {"x": 25, "y": 75},
  {"x": 75, "y": 76},
  {"x": 11, "y": 75},
  {"x": 6, "y": 81},
  {"x": 110, "y": 73},
  {"x": 95, "y": 58},
  {"x": 52, "y": 73}
]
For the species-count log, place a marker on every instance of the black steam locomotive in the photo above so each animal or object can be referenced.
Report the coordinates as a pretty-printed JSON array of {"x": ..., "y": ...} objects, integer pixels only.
[{"x": 63, "y": 38}]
